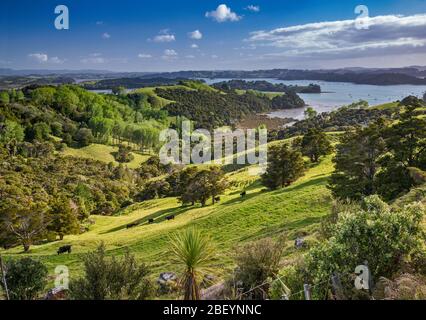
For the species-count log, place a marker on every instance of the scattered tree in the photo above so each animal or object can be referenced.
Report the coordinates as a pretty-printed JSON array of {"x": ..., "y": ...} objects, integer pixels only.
[
  {"x": 315, "y": 144},
  {"x": 63, "y": 218},
  {"x": 356, "y": 163},
  {"x": 284, "y": 167}
]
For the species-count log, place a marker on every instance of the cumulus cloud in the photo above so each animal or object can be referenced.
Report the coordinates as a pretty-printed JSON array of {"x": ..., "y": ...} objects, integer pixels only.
[
  {"x": 384, "y": 35},
  {"x": 223, "y": 13},
  {"x": 164, "y": 36},
  {"x": 194, "y": 46},
  {"x": 144, "y": 56},
  {"x": 56, "y": 60},
  {"x": 39, "y": 57},
  {"x": 44, "y": 58},
  {"x": 196, "y": 35},
  {"x": 106, "y": 35},
  {"x": 169, "y": 54},
  {"x": 253, "y": 8}
]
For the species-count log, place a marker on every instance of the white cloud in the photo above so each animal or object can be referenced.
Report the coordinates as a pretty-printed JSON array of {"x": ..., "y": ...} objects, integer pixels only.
[
  {"x": 196, "y": 35},
  {"x": 190, "y": 56},
  {"x": 169, "y": 54},
  {"x": 385, "y": 34},
  {"x": 93, "y": 60},
  {"x": 164, "y": 38},
  {"x": 253, "y": 8},
  {"x": 44, "y": 58},
  {"x": 99, "y": 23},
  {"x": 213, "y": 56},
  {"x": 56, "y": 60},
  {"x": 144, "y": 56},
  {"x": 223, "y": 13},
  {"x": 194, "y": 46},
  {"x": 39, "y": 57},
  {"x": 106, "y": 35}
]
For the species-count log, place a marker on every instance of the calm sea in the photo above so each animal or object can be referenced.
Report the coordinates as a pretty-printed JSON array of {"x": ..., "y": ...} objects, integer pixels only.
[{"x": 337, "y": 94}]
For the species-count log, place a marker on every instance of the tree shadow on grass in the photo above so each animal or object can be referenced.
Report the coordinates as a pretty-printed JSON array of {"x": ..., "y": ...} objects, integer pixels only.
[
  {"x": 277, "y": 230},
  {"x": 291, "y": 188},
  {"x": 159, "y": 216}
]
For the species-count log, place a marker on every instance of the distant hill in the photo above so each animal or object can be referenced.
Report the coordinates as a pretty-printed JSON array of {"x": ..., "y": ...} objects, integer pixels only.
[{"x": 415, "y": 75}]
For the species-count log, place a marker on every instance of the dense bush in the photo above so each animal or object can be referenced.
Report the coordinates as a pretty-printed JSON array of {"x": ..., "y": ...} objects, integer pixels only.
[
  {"x": 382, "y": 236},
  {"x": 211, "y": 109},
  {"x": 111, "y": 278},
  {"x": 256, "y": 262},
  {"x": 26, "y": 279},
  {"x": 378, "y": 158},
  {"x": 124, "y": 155}
]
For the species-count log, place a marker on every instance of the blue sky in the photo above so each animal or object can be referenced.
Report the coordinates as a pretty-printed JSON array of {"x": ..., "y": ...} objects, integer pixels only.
[{"x": 130, "y": 35}]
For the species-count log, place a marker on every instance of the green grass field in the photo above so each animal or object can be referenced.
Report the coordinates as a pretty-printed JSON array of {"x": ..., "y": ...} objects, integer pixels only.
[
  {"x": 103, "y": 153},
  {"x": 231, "y": 223}
]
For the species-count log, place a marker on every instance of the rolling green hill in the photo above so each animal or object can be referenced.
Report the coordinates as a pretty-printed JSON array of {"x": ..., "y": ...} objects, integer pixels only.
[
  {"x": 103, "y": 153},
  {"x": 234, "y": 221}
]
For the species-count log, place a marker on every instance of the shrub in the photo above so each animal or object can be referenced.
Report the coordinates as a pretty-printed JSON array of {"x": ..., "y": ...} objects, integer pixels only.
[
  {"x": 192, "y": 253},
  {"x": 111, "y": 278},
  {"x": 385, "y": 237},
  {"x": 26, "y": 278},
  {"x": 256, "y": 263}
]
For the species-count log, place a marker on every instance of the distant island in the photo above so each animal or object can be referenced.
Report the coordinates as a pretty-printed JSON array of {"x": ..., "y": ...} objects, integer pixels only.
[{"x": 265, "y": 86}]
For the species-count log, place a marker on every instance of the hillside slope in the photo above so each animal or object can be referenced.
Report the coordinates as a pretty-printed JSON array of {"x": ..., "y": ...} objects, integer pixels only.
[{"x": 232, "y": 222}]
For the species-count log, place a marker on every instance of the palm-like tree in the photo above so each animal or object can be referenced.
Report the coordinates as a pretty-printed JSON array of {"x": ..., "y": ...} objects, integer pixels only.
[{"x": 193, "y": 253}]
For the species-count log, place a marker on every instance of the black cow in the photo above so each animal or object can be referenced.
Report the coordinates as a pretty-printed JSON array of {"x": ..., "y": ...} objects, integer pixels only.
[
  {"x": 217, "y": 199},
  {"x": 64, "y": 249},
  {"x": 170, "y": 217},
  {"x": 243, "y": 194},
  {"x": 151, "y": 221},
  {"x": 131, "y": 225}
]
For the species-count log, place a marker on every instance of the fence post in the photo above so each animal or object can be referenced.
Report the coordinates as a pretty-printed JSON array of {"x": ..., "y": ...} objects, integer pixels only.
[
  {"x": 3, "y": 274},
  {"x": 337, "y": 287},
  {"x": 307, "y": 290}
]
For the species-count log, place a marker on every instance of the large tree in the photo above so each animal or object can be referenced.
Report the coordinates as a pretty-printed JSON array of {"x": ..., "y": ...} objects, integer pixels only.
[
  {"x": 284, "y": 167},
  {"x": 205, "y": 184},
  {"x": 63, "y": 217},
  {"x": 357, "y": 162},
  {"x": 315, "y": 144},
  {"x": 406, "y": 143}
]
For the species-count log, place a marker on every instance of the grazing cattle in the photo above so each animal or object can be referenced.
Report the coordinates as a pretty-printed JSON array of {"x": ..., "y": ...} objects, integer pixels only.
[
  {"x": 217, "y": 199},
  {"x": 64, "y": 249},
  {"x": 150, "y": 221},
  {"x": 243, "y": 194},
  {"x": 170, "y": 217},
  {"x": 131, "y": 225},
  {"x": 299, "y": 243}
]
